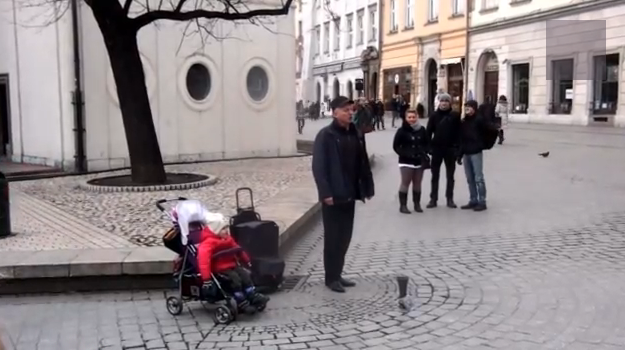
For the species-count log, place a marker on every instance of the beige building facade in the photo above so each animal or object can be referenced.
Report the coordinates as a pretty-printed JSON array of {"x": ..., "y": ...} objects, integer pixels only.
[
  {"x": 556, "y": 63},
  {"x": 423, "y": 49}
]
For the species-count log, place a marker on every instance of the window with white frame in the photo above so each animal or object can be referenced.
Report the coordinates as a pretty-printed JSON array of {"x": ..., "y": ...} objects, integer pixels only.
[
  {"x": 326, "y": 37},
  {"x": 432, "y": 10},
  {"x": 337, "y": 34},
  {"x": 409, "y": 14},
  {"x": 360, "y": 34},
  {"x": 349, "y": 22},
  {"x": 373, "y": 24},
  {"x": 317, "y": 40},
  {"x": 490, "y": 4},
  {"x": 393, "y": 14},
  {"x": 457, "y": 7}
]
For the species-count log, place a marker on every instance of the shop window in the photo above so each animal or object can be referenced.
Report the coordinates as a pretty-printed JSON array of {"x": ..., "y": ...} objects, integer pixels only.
[
  {"x": 520, "y": 87},
  {"x": 605, "y": 84},
  {"x": 562, "y": 86}
]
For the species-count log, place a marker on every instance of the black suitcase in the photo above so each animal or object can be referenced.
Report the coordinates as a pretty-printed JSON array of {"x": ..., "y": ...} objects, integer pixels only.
[
  {"x": 260, "y": 239},
  {"x": 244, "y": 214},
  {"x": 267, "y": 274}
]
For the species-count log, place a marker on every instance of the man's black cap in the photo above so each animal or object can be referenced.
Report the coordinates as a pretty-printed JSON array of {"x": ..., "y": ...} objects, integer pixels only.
[
  {"x": 472, "y": 104},
  {"x": 340, "y": 102}
]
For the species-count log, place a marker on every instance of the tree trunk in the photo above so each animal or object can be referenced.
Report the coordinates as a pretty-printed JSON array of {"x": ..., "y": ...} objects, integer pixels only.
[{"x": 120, "y": 39}]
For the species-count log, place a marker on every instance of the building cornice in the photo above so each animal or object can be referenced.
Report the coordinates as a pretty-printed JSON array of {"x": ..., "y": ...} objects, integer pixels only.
[{"x": 544, "y": 15}]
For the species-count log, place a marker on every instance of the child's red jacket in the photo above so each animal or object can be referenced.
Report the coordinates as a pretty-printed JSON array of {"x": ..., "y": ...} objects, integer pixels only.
[{"x": 210, "y": 244}]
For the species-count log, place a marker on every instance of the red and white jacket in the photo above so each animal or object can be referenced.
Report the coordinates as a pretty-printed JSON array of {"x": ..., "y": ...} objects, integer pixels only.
[{"x": 209, "y": 244}]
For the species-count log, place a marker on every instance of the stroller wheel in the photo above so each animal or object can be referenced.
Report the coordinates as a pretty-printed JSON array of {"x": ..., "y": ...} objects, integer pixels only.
[
  {"x": 222, "y": 315},
  {"x": 174, "y": 306}
]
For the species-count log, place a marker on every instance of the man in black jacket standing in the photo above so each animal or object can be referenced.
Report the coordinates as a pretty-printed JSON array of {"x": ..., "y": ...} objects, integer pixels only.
[
  {"x": 444, "y": 134},
  {"x": 343, "y": 175},
  {"x": 474, "y": 127}
]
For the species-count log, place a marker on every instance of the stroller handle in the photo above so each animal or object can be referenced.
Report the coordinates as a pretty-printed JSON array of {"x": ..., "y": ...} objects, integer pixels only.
[
  {"x": 231, "y": 251},
  {"x": 160, "y": 202}
]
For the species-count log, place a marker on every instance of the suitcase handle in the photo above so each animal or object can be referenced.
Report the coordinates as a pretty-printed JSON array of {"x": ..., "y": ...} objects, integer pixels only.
[{"x": 237, "y": 196}]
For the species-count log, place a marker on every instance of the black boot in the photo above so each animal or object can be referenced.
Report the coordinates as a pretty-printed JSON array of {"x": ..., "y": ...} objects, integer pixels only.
[
  {"x": 501, "y": 138},
  {"x": 416, "y": 199},
  {"x": 451, "y": 204},
  {"x": 403, "y": 201},
  {"x": 431, "y": 204}
]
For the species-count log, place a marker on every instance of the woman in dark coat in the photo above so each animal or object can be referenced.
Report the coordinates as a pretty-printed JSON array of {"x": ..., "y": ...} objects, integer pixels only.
[{"x": 411, "y": 144}]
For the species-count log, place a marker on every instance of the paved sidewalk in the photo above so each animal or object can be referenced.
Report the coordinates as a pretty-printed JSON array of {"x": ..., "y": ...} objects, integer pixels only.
[{"x": 543, "y": 268}]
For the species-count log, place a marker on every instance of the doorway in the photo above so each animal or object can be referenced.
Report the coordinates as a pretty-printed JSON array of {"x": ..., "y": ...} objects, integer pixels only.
[
  {"x": 5, "y": 117},
  {"x": 432, "y": 82}
]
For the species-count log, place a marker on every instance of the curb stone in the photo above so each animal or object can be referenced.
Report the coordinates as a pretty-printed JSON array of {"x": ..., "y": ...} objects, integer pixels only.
[{"x": 55, "y": 271}]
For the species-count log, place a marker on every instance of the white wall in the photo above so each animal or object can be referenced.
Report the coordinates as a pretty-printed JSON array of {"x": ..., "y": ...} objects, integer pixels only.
[
  {"x": 527, "y": 44},
  {"x": 38, "y": 59},
  {"x": 228, "y": 124}
]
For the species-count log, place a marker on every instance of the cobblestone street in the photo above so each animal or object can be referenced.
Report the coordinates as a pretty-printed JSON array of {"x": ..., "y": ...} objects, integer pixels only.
[{"x": 543, "y": 268}]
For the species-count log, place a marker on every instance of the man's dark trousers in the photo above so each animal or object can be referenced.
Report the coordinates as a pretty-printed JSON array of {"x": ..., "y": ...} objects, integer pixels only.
[
  {"x": 440, "y": 156},
  {"x": 338, "y": 225}
]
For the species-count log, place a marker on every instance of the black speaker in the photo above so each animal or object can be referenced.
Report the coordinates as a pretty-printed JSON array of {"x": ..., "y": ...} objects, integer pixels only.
[
  {"x": 360, "y": 84},
  {"x": 259, "y": 239}
]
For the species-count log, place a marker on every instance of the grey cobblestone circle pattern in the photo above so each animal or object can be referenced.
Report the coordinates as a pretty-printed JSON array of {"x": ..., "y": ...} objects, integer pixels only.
[
  {"x": 208, "y": 181},
  {"x": 519, "y": 292}
]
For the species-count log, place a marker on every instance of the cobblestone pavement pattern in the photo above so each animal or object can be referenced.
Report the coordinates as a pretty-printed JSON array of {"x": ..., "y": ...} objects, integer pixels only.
[
  {"x": 58, "y": 214},
  {"x": 543, "y": 268}
]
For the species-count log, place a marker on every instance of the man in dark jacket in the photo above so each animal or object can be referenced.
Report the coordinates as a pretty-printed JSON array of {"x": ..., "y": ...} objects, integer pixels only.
[
  {"x": 444, "y": 134},
  {"x": 474, "y": 127},
  {"x": 342, "y": 173}
]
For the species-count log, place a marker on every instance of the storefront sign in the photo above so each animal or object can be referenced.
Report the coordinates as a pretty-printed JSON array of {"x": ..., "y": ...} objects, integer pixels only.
[
  {"x": 335, "y": 68},
  {"x": 568, "y": 94},
  {"x": 492, "y": 65}
]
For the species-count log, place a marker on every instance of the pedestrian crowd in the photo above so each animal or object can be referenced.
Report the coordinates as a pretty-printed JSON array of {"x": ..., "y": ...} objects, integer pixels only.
[{"x": 343, "y": 175}]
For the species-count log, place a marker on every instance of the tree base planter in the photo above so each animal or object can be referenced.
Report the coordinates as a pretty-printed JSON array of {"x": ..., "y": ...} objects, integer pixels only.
[{"x": 123, "y": 183}]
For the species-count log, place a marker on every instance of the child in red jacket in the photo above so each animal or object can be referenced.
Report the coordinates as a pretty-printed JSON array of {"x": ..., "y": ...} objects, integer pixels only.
[{"x": 214, "y": 238}]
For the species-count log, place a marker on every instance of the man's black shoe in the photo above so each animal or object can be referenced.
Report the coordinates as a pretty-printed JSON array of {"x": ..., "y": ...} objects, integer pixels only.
[
  {"x": 431, "y": 204},
  {"x": 468, "y": 206},
  {"x": 336, "y": 286},
  {"x": 451, "y": 204},
  {"x": 480, "y": 207},
  {"x": 347, "y": 283}
]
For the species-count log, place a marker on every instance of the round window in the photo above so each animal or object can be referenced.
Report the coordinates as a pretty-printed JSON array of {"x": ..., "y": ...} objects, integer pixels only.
[
  {"x": 257, "y": 83},
  {"x": 198, "y": 81}
]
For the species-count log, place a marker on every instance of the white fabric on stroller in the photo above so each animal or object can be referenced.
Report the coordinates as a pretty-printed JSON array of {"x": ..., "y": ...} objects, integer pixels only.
[{"x": 191, "y": 211}]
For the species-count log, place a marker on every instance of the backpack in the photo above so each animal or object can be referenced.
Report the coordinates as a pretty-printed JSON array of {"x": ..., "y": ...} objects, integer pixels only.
[
  {"x": 490, "y": 134},
  {"x": 363, "y": 119}
]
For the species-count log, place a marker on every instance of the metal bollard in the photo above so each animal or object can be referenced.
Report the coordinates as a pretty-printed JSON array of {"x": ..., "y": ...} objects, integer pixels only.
[
  {"x": 5, "y": 207},
  {"x": 402, "y": 283}
]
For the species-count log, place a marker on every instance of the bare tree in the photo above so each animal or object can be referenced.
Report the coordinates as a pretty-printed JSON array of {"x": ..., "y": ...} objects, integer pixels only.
[{"x": 119, "y": 22}]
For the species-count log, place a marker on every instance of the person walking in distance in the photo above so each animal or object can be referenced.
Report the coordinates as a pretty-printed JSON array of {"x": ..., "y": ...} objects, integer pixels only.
[
  {"x": 501, "y": 115},
  {"x": 443, "y": 130},
  {"x": 410, "y": 144},
  {"x": 342, "y": 173}
]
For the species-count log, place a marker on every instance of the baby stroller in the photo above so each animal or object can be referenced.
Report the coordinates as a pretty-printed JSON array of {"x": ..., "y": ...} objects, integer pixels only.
[{"x": 186, "y": 275}]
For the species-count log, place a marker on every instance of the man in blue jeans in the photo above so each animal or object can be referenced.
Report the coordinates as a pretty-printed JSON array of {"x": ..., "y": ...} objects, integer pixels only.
[{"x": 474, "y": 127}]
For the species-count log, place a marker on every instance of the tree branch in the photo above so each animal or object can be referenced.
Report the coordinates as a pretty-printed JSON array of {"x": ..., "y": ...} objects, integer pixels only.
[
  {"x": 149, "y": 17},
  {"x": 179, "y": 7},
  {"x": 127, "y": 5}
]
